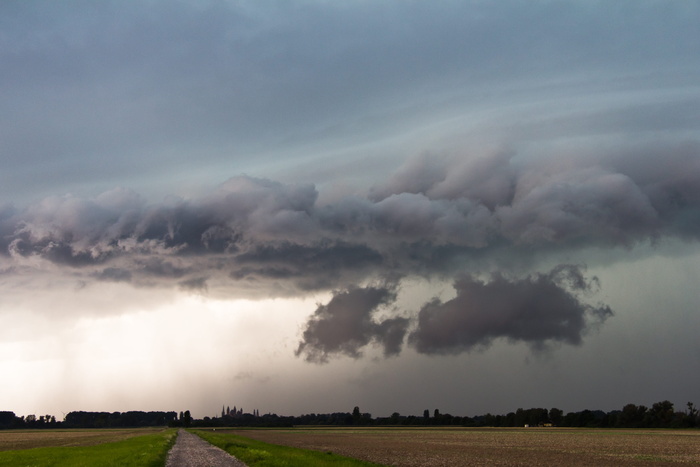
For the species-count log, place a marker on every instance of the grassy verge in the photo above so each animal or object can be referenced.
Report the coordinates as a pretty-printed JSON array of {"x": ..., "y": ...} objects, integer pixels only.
[
  {"x": 139, "y": 451},
  {"x": 258, "y": 454}
]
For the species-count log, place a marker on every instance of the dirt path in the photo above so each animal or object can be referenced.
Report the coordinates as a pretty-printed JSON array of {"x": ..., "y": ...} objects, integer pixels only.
[{"x": 192, "y": 451}]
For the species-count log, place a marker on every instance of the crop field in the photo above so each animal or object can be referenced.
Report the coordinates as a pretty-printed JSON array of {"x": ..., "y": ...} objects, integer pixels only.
[
  {"x": 85, "y": 448},
  {"x": 413, "y": 447}
]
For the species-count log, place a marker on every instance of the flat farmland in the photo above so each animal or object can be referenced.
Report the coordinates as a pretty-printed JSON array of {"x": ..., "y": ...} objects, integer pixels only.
[
  {"x": 413, "y": 447},
  {"x": 12, "y": 440}
]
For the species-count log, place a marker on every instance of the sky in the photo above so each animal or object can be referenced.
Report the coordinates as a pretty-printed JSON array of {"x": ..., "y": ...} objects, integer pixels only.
[{"x": 307, "y": 206}]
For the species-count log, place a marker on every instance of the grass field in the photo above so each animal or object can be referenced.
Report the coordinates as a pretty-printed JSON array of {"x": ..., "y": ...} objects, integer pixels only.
[
  {"x": 413, "y": 447},
  {"x": 259, "y": 454},
  {"x": 27, "y": 439},
  {"x": 85, "y": 448}
]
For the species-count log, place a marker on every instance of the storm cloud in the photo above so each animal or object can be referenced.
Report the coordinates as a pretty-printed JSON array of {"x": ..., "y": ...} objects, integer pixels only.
[
  {"x": 538, "y": 309},
  {"x": 278, "y": 237},
  {"x": 345, "y": 324},
  {"x": 436, "y": 217}
]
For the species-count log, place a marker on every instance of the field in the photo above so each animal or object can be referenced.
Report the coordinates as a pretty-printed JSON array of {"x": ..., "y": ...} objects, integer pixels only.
[
  {"x": 85, "y": 448},
  {"x": 27, "y": 439},
  {"x": 256, "y": 453},
  {"x": 413, "y": 447}
]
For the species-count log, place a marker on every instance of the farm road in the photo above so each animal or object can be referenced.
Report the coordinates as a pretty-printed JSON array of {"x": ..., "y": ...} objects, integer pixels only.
[{"x": 192, "y": 451}]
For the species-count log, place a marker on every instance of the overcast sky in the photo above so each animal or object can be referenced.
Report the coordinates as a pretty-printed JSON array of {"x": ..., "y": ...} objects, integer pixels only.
[{"x": 308, "y": 206}]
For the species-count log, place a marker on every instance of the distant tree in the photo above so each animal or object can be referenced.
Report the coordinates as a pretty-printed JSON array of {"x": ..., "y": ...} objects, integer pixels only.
[
  {"x": 356, "y": 415},
  {"x": 661, "y": 414},
  {"x": 691, "y": 416},
  {"x": 426, "y": 414},
  {"x": 436, "y": 413},
  {"x": 556, "y": 416},
  {"x": 632, "y": 416},
  {"x": 187, "y": 419},
  {"x": 8, "y": 419},
  {"x": 537, "y": 417}
]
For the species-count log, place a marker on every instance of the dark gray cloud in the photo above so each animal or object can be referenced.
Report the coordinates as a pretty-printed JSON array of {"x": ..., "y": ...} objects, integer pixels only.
[
  {"x": 437, "y": 215},
  {"x": 318, "y": 266},
  {"x": 345, "y": 324},
  {"x": 538, "y": 309}
]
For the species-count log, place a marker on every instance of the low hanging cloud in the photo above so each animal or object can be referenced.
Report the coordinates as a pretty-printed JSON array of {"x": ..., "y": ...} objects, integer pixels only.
[
  {"x": 538, "y": 309},
  {"x": 345, "y": 324}
]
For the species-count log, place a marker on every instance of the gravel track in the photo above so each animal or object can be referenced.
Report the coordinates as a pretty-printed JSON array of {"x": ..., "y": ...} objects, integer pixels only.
[{"x": 192, "y": 451}]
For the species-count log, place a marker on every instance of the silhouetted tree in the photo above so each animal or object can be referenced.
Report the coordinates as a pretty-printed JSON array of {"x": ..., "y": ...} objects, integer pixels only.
[
  {"x": 8, "y": 420},
  {"x": 691, "y": 416},
  {"x": 556, "y": 416},
  {"x": 356, "y": 415},
  {"x": 661, "y": 414}
]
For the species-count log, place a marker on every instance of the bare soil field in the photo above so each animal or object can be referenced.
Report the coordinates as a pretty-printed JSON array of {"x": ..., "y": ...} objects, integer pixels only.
[
  {"x": 26, "y": 439},
  {"x": 413, "y": 447}
]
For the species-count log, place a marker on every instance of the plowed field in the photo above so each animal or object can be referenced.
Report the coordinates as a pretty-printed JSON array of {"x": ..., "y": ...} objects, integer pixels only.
[{"x": 414, "y": 447}]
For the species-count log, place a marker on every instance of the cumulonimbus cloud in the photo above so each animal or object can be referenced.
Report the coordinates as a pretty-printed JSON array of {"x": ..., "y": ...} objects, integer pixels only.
[{"x": 255, "y": 236}]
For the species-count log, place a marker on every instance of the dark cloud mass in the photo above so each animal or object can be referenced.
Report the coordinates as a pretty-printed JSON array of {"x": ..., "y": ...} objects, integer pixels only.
[
  {"x": 345, "y": 325},
  {"x": 432, "y": 212},
  {"x": 535, "y": 310},
  {"x": 538, "y": 309}
]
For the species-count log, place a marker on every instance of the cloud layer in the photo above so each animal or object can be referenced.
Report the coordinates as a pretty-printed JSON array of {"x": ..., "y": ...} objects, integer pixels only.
[
  {"x": 435, "y": 217},
  {"x": 265, "y": 232}
]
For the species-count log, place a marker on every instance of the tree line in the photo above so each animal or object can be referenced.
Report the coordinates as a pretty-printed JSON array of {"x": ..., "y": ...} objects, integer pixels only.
[
  {"x": 80, "y": 419},
  {"x": 659, "y": 415}
]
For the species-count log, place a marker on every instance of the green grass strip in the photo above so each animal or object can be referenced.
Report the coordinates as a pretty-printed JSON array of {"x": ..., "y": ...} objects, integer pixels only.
[
  {"x": 139, "y": 451},
  {"x": 259, "y": 454}
]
